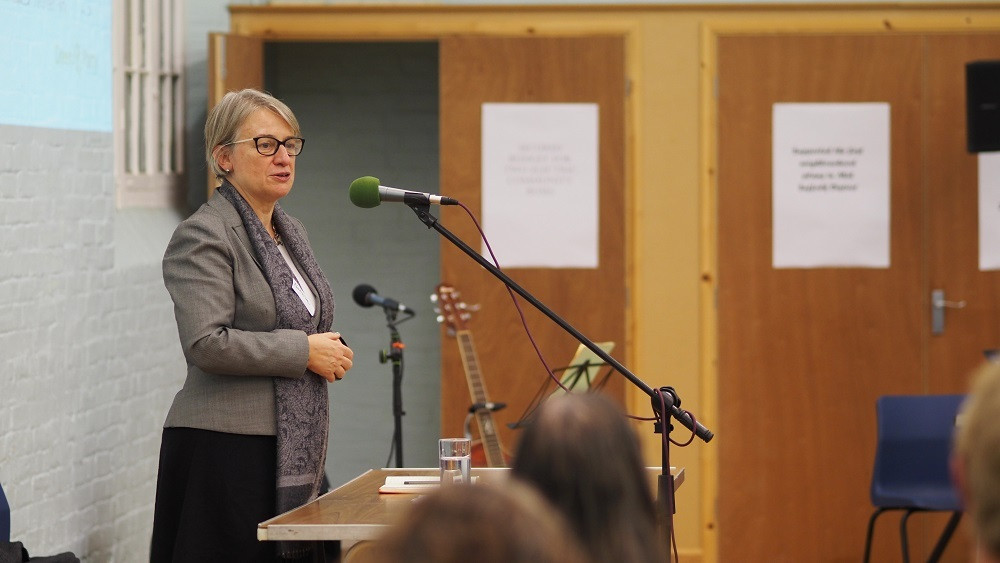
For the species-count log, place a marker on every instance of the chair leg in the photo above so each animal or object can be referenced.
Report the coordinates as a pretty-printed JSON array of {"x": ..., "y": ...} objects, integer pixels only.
[
  {"x": 902, "y": 536},
  {"x": 871, "y": 532},
  {"x": 942, "y": 542}
]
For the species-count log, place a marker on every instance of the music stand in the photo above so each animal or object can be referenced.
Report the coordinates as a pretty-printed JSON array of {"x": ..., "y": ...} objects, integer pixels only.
[
  {"x": 578, "y": 377},
  {"x": 584, "y": 367}
]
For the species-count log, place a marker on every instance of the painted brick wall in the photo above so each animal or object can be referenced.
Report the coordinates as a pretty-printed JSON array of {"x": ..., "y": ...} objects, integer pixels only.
[{"x": 89, "y": 358}]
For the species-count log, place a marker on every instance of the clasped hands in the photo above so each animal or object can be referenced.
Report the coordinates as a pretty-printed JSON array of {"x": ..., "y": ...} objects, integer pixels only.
[{"x": 329, "y": 356}]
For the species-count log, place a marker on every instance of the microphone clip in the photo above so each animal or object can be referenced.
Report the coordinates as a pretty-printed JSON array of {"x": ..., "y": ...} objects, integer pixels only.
[{"x": 487, "y": 406}]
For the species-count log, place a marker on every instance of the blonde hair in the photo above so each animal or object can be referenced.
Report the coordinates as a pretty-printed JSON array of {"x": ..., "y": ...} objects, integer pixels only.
[
  {"x": 977, "y": 444},
  {"x": 227, "y": 117}
]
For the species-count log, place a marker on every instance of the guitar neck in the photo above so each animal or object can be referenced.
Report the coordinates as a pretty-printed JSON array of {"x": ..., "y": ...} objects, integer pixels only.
[{"x": 477, "y": 389}]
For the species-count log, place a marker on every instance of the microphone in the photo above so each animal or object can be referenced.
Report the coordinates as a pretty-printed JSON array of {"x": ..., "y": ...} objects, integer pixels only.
[
  {"x": 366, "y": 296},
  {"x": 367, "y": 192},
  {"x": 492, "y": 407}
]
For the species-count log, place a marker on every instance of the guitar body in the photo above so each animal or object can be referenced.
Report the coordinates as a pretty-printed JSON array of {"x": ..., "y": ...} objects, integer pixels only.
[{"x": 487, "y": 451}]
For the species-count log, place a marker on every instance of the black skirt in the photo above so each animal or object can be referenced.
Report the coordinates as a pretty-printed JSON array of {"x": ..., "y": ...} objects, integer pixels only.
[{"x": 212, "y": 490}]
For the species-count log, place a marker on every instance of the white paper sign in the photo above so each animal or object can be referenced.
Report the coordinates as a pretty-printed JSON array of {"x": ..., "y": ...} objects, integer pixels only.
[
  {"x": 830, "y": 185},
  {"x": 989, "y": 211},
  {"x": 540, "y": 184}
]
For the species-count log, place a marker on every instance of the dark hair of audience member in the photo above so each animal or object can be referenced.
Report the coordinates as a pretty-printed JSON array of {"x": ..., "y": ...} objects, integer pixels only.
[
  {"x": 581, "y": 453},
  {"x": 509, "y": 523}
]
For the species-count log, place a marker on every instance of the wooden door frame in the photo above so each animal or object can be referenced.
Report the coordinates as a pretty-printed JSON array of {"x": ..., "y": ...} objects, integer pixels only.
[
  {"x": 712, "y": 30},
  {"x": 228, "y": 72}
]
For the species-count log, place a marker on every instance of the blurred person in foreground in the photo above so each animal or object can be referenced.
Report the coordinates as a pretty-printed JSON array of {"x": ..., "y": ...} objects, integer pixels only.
[
  {"x": 976, "y": 460},
  {"x": 486, "y": 523},
  {"x": 581, "y": 454}
]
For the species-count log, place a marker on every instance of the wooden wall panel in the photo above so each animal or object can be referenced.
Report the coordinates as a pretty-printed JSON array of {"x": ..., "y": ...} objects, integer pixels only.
[
  {"x": 953, "y": 206},
  {"x": 803, "y": 353},
  {"x": 475, "y": 70}
]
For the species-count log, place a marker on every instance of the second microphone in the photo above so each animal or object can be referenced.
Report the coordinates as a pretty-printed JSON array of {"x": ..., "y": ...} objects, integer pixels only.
[{"x": 366, "y": 296}]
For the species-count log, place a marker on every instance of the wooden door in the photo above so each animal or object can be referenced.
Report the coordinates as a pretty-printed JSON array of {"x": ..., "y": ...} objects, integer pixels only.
[
  {"x": 804, "y": 353},
  {"x": 475, "y": 70},
  {"x": 952, "y": 188},
  {"x": 234, "y": 62}
]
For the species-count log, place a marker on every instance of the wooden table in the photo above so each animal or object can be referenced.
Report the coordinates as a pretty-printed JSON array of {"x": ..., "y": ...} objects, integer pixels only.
[{"x": 356, "y": 511}]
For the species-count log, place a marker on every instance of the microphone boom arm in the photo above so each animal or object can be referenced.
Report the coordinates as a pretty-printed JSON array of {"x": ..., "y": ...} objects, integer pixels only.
[{"x": 422, "y": 209}]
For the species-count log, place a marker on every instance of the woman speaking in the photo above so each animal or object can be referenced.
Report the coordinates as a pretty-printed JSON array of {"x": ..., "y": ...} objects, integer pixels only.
[{"x": 245, "y": 438}]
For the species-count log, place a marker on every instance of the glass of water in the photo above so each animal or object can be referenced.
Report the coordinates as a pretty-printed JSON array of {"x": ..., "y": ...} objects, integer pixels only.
[{"x": 455, "y": 455}]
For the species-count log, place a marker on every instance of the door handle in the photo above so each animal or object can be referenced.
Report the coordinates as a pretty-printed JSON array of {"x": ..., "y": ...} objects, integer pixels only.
[{"x": 938, "y": 305}]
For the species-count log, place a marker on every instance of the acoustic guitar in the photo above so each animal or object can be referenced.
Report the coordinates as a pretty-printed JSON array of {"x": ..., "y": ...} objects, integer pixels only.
[{"x": 455, "y": 314}]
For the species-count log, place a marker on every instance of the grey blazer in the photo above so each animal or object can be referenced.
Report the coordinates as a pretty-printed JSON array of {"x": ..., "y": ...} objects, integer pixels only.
[{"x": 226, "y": 318}]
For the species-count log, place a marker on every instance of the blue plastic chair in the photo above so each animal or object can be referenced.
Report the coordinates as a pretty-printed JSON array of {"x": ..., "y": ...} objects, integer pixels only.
[
  {"x": 4, "y": 517},
  {"x": 911, "y": 471}
]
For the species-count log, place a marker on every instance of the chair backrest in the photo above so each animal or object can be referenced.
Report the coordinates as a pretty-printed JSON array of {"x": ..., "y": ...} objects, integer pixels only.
[
  {"x": 914, "y": 442},
  {"x": 4, "y": 517}
]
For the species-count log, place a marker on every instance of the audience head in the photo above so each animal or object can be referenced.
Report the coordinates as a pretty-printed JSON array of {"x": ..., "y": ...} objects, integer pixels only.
[
  {"x": 976, "y": 462},
  {"x": 581, "y": 453},
  {"x": 507, "y": 523}
]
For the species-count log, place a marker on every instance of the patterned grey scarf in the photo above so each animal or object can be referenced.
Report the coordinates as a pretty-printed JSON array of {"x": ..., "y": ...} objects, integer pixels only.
[{"x": 301, "y": 404}]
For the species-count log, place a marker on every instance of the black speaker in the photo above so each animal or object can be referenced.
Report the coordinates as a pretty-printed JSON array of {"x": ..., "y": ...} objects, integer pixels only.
[{"x": 982, "y": 105}]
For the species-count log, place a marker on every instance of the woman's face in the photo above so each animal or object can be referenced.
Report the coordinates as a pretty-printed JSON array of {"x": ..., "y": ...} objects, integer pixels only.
[{"x": 260, "y": 179}]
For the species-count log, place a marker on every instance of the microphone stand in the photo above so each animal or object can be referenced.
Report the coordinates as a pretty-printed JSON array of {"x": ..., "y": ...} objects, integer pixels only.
[
  {"x": 395, "y": 355},
  {"x": 662, "y": 398}
]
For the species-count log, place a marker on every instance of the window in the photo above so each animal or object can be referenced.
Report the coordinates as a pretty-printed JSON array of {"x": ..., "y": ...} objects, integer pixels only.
[{"x": 148, "y": 102}]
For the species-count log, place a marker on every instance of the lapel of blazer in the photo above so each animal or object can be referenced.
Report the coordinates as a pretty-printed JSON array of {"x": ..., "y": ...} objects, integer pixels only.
[{"x": 233, "y": 221}]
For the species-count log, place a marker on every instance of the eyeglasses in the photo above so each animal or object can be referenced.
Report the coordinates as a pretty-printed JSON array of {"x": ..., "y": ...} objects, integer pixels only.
[{"x": 268, "y": 146}]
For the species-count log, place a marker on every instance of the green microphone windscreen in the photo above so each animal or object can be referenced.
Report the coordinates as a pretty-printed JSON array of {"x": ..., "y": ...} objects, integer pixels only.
[{"x": 364, "y": 192}]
